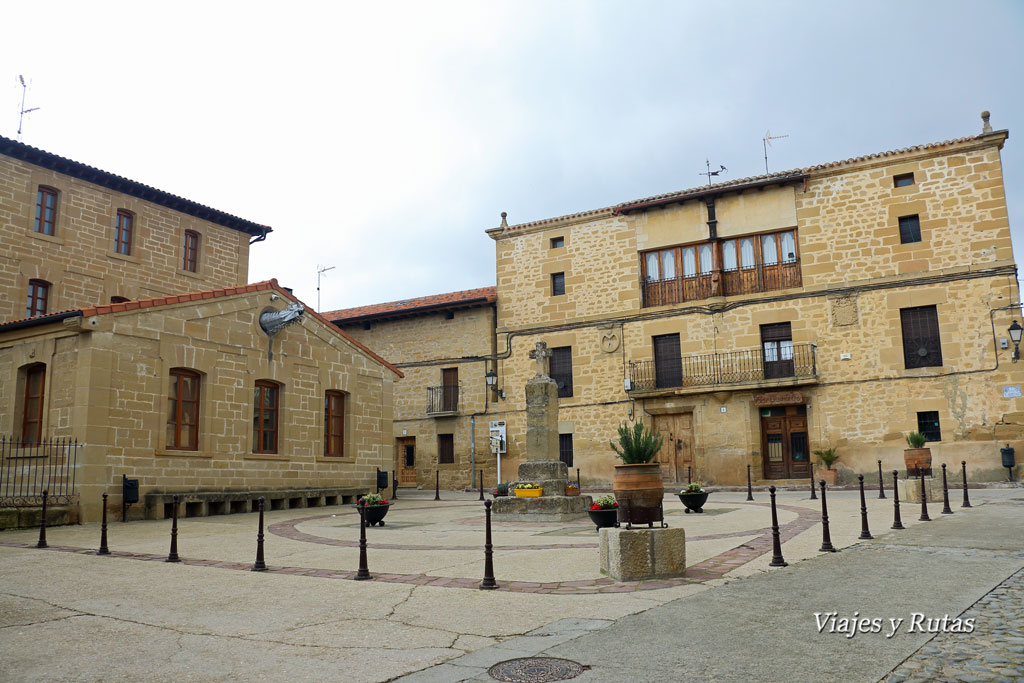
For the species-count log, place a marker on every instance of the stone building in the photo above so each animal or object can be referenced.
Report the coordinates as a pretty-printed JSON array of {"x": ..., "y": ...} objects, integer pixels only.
[{"x": 129, "y": 327}]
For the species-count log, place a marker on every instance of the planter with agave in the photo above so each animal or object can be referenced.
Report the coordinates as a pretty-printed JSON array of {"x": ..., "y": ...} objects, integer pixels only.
[
  {"x": 693, "y": 497},
  {"x": 377, "y": 507},
  {"x": 917, "y": 457},
  {"x": 637, "y": 484},
  {"x": 528, "y": 490},
  {"x": 827, "y": 457},
  {"x": 604, "y": 512}
]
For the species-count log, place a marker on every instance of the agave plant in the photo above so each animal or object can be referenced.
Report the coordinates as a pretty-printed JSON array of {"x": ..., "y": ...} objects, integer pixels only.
[
  {"x": 916, "y": 440},
  {"x": 827, "y": 457},
  {"x": 637, "y": 444}
]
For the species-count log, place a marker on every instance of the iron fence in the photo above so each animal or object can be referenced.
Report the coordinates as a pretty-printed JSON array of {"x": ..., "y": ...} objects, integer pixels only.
[
  {"x": 723, "y": 368},
  {"x": 443, "y": 399},
  {"x": 27, "y": 468}
]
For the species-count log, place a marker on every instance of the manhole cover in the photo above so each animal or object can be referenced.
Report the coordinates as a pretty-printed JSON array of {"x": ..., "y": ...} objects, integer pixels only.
[{"x": 535, "y": 670}]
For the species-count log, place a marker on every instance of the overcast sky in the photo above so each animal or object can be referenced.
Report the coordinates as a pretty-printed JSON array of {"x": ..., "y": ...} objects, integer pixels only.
[{"x": 383, "y": 138}]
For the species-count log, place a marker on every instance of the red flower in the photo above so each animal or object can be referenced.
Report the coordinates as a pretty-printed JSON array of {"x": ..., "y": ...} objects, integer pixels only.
[
  {"x": 595, "y": 506},
  {"x": 384, "y": 502}
]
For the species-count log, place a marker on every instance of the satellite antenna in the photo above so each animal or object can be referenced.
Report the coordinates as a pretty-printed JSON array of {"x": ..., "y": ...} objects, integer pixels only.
[
  {"x": 320, "y": 270},
  {"x": 709, "y": 173},
  {"x": 21, "y": 115},
  {"x": 766, "y": 142}
]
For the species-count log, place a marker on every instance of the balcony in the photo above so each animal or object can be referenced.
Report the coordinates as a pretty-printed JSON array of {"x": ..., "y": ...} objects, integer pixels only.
[
  {"x": 734, "y": 281},
  {"x": 790, "y": 365},
  {"x": 443, "y": 400}
]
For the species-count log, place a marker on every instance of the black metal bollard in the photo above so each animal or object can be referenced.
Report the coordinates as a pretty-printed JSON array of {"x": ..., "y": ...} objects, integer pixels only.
[
  {"x": 578, "y": 485},
  {"x": 437, "y": 485},
  {"x": 481, "y": 484},
  {"x": 967, "y": 501},
  {"x": 173, "y": 555},
  {"x": 924, "y": 499},
  {"x": 363, "y": 573},
  {"x": 814, "y": 496},
  {"x": 42, "y": 524},
  {"x": 946, "y": 510},
  {"x": 881, "y": 486},
  {"x": 394, "y": 486},
  {"x": 259, "y": 565},
  {"x": 777, "y": 560},
  {"x": 689, "y": 474},
  {"x": 865, "y": 533},
  {"x": 897, "y": 523},
  {"x": 104, "y": 550},
  {"x": 826, "y": 539},
  {"x": 488, "y": 584},
  {"x": 750, "y": 491}
]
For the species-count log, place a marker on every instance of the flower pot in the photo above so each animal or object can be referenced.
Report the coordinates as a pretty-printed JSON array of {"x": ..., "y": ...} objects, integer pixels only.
[
  {"x": 572, "y": 491},
  {"x": 917, "y": 459},
  {"x": 375, "y": 513},
  {"x": 529, "y": 493},
  {"x": 604, "y": 518},
  {"x": 694, "y": 501},
  {"x": 828, "y": 475},
  {"x": 639, "y": 490}
]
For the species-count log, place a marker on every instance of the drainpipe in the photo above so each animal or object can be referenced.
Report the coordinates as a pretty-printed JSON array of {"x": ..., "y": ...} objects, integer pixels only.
[{"x": 472, "y": 450}]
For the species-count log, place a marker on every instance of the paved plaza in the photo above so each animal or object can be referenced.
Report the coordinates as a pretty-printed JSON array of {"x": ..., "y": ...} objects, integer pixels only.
[{"x": 68, "y": 614}]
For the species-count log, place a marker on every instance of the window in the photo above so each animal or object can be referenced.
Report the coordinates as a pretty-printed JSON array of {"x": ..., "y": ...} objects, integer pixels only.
[
  {"x": 190, "y": 261},
  {"x": 449, "y": 390},
  {"x": 32, "y": 408},
  {"x": 921, "y": 345},
  {"x": 46, "y": 210},
  {"x": 668, "y": 361},
  {"x": 557, "y": 284},
  {"x": 903, "y": 180},
  {"x": 565, "y": 449},
  {"x": 264, "y": 417},
  {"x": 119, "y": 299},
  {"x": 910, "y": 229},
  {"x": 183, "y": 410},
  {"x": 449, "y": 315},
  {"x": 928, "y": 424},
  {"x": 557, "y": 242},
  {"x": 777, "y": 347},
  {"x": 123, "y": 232},
  {"x": 445, "y": 449},
  {"x": 560, "y": 369},
  {"x": 38, "y": 297},
  {"x": 334, "y": 424}
]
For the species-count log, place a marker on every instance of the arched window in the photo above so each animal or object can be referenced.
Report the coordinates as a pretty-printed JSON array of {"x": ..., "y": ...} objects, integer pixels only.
[
  {"x": 334, "y": 424},
  {"x": 124, "y": 230},
  {"x": 183, "y": 410},
  {"x": 264, "y": 417},
  {"x": 32, "y": 407},
  {"x": 190, "y": 260},
  {"x": 46, "y": 210},
  {"x": 38, "y": 298}
]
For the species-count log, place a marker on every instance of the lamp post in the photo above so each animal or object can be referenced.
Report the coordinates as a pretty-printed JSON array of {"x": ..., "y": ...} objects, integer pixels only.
[
  {"x": 1015, "y": 331},
  {"x": 492, "y": 383}
]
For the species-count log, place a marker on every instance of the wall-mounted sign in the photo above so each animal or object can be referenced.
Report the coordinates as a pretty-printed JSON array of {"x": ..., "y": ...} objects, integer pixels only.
[{"x": 1012, "y": 391}]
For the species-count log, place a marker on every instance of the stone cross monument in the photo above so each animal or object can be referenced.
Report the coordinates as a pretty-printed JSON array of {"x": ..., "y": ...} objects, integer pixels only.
[{"x": 541, "y": 410}]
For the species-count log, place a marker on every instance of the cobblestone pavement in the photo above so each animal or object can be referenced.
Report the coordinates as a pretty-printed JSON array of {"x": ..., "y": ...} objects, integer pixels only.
[{"x": 994, "y": 651}]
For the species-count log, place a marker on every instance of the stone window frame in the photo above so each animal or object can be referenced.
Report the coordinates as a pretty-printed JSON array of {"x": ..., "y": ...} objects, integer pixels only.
[
  {"x": 27, "y": 419},
  {"x": 175, "y": 445},
  {"x": 124, "y": 232},
  {"x": 39, "y": 222},
  {"x": 903, "y": 180},
  {"x": 565, "y": 449},
  {"x": 558, "y": 284},
  {"x": 258, "y": 414},
  {"x": 558, "y": 242},
  {"x": 933, "y": 433},
  {"x": 191, "y": 245},
  {"x": 443, "y": 450},
  {"x": 557, "y": 369},
  {"x": 329, "y": 417},
  {"x": 910, "y": 228},
  {"x": 920, "y": 325},
  {"x": 38, "y": 300}
]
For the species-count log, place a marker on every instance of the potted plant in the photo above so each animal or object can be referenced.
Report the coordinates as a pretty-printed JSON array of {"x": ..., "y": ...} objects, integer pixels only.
[
  {"x": 500, "y": 490},
  {"x": 572, "y": 489},
  {"x": 376, "y": 508},
  {"x": 528, "y": 490},
  {"x": 917, "y": 457},
  {"x": 637, "y": 483},
  {"x": 827, "y": 457},
  {"x": 693, "y": 497},
  {"x": 604, "y": 511}
]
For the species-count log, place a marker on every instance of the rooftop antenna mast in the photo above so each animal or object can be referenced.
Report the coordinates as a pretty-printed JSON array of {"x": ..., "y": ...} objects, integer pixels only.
[
  {"x": 320, "y": 270},
  {"x": 709, "y": 173},
  {"x": 23, "y": 111},
  {"x": 766, "y": 142}
]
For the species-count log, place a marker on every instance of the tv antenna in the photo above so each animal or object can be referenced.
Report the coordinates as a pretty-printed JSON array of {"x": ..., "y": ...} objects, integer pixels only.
[
  {"x": 766, "y": 142},
  {"x": 320, "y": 270},
  {"x": 21, "y": 114},
  {"x": 709, "y": 173}
]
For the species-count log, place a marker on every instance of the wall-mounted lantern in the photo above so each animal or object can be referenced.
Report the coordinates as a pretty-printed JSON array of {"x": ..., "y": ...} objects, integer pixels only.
[
  {"x": 492, "y": 383},
  {"x": 1015, "y": 334}
]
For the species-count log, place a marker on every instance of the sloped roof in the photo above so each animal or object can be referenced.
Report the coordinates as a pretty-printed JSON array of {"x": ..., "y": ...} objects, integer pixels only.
[
  {"x": 423, "y": 304},
  {"x": 105, "y": 309},
  {"x": 75, "y": 169}
]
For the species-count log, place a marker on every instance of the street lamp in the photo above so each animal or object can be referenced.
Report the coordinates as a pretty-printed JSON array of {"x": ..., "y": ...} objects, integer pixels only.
[
  {"x": 1015, "y": 334},
  {"x": 492, "y": 383}
]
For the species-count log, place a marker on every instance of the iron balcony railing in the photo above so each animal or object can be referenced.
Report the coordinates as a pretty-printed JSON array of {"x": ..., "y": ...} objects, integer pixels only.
[
  {"x": 443, "y": 399},
  {"x": 754, "y": 365},
  {"x": 735, "y": 281},
  {"x": 29, "y": 467}
]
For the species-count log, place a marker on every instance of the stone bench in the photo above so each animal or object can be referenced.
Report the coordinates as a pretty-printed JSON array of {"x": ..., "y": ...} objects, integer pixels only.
[{"x": 158, "y": 505}]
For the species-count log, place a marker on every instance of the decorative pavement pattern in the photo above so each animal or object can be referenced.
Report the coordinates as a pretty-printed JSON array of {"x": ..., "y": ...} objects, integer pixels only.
[
  {"x": 711, "y": 569},
  {"x": 993, "y": 652}
]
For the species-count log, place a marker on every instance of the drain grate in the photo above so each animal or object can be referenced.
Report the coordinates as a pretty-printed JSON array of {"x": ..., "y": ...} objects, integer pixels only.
[{"x": 535, "y": 670}]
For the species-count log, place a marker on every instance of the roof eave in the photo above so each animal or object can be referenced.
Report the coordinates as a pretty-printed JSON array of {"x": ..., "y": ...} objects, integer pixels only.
[{"x": 711, "y": 192}]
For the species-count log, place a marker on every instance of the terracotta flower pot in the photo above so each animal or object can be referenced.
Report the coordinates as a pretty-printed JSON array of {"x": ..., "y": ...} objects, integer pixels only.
[
  {"x": 917, "y": 459},
  {"x": 572, "y": 491},
  {"x": 639, "y": 490},
  {"x": 828, "y": 475}
]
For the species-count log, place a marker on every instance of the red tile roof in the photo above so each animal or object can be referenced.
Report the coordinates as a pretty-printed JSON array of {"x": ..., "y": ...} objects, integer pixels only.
[
  {"x": 104, "y": 309},
  {"x": 423, "y": 304}
]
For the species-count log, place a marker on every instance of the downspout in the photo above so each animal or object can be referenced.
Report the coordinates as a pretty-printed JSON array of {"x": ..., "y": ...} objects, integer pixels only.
[{"x": 472, "y": 449}]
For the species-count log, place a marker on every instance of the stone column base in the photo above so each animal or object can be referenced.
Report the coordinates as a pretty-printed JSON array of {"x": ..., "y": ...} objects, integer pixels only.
[
  {"x": 543, "y": 509},
  {"x": 910, "y": 490},
  {"x": 638, "y": 554}
]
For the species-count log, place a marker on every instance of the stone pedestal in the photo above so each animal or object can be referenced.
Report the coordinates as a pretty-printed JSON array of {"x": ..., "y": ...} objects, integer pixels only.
[
  {"x": 638, "y": 554},
  {"x": 547, "y": 508},
  {"x": 910, "y": 490}
]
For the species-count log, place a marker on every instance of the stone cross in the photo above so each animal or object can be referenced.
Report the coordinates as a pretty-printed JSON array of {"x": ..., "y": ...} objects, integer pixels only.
[{"x": 541, "y": 354}]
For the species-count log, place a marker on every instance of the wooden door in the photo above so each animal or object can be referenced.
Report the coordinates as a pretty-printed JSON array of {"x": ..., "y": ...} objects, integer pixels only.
[
  {"x": 450, "y": 390},
  {"x": 676, "y": 452},
  {"x": 784, "y": 445},
  {"x": 405, "y": 453}
]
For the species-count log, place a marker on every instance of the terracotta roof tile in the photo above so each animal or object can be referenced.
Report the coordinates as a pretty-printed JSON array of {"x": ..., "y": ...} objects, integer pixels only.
[{"x": 420, "y": 304}]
